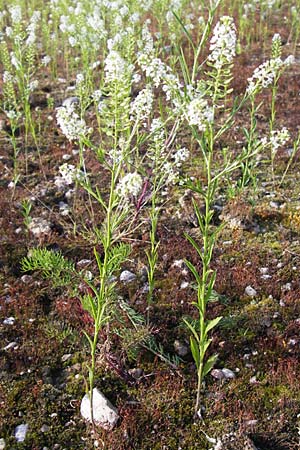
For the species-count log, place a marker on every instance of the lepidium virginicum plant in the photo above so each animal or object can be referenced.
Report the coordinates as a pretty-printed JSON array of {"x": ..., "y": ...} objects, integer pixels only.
[
  {"x": 18, "y": 53},
  {"x": 209, "y": 111},
  {"x": 114, "y": 204},
  {"x": 267, "y": 75}
]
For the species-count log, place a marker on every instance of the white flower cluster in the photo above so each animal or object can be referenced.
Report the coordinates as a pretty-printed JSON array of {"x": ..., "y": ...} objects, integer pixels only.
[
  {"x": 279, "y": 138},
  {"x": 72, "y": 126},
  {"x": 33, "y": 85},
  {"x": 265, "y": 74},
  {"x": 130, "y": 185},
  {"x": 67, "y": 175},
  {"x": 46, "y": 60},
  {"x": 15, "y": 14},
  {"x": 115, "y": 67},
  {"x": 7, "y": 77},
  {"x": 198, "y": 112},
  {"x": 180, "y": 156},
  {"x": 31, "y": 29},
  {"x": 223, "y": 42},
  {"x": 141, "y": 107}
]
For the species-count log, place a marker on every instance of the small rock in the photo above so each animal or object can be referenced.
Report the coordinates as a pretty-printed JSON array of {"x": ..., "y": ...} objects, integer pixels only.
[
  {"x": 286, "y": 287},
  {"x": 39, "y": 226},
  {"x": 250, "y": 291},
  {"x": 218, "y": 374},
  {"x": 20, "y": 432},
  {"x": 223, "y": 374},
  {"x": 2, "y": 444},
  {"x": 83, "y": 262},
  {"x": 184, "y": 285},
  {"x": 70, "y": 101},
  {"x": 66, "y": 157},
  {"x": 26, "y": 279},
  {"x": 228, "y": 374},
  {"x": 127, "y": 276},
  {"x": 105, "y": 414},
  {"x": 180, "y": 348},
  {"x": 253, "y": 380},
  {"x": 145, "y": 289},
  {"x": 65, "y": 357},
  {"x": 10, "y": 345},
  {"x": 178, "y": 263},
  {"x": 9, "y": 321},
  {"x": 136, "y": 373},
  {"x": 45, "y": 428}
]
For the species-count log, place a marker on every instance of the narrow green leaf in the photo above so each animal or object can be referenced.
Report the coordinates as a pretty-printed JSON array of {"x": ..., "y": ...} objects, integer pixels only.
[
  {"x": 89, "y": 339},
  {"x": 184, "y": 29},
  {"x": 192, "y": 329},
  {"x": 194, "y": 271},
  {"x": 205, "y": 346},
  {"x": 212, "y": 324},
  {"x": 195, "y": 351},
  {"x": 209, "y": 365}
]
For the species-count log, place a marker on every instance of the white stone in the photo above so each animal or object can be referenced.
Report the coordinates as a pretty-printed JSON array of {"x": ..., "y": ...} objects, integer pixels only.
[
  {"x": 127, "y": 276},
  {"x": 9, "y": 321},
  {"x": 10, "y": 345},
  {"x": 104, "y": 413},
  {"x": 250, "y": 291},
  {"x": 2, "y": 444},
  {"x": 20, "y": 432},
  {"x": 228, "y": 373},
  {"x": 180, "y": 348},
  {"x": 218, "y": 374}
]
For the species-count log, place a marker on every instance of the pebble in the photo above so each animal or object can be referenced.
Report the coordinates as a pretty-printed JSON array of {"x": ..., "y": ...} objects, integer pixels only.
[
  {"x": 105, "y": 414},
  {"x": 20, "y": 432},
  {"x": 2, "y": 444},
  {"x": 70, "y": 101},
  {"x": 127, "y": 276},
  {"x": 45, "y": 428},
  {"x": 221, "y": 374},
  {"x": 9, "y": 321},
  {"x": 251, "y": 422},
  {"x": 39, "y": 226},
  {"x": 145, "y": 288},
  {"x": 83, "y": 262},
  {"x": 136, "y": 373},
  {"x": 10, "y": 345},
  {"x": 180, "y": 348},
  {"x": 178, "y": 263},
  {"x": 249, "y": 290},
  {"x": 218, "y": 374},
  {"x": 64, "y": 208},
  {"x": 229, "y": 374},
  {"x": 65, "y": 357},
  {"x": 184, "y": 285},
  {"x": 26, "y": 279}
]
